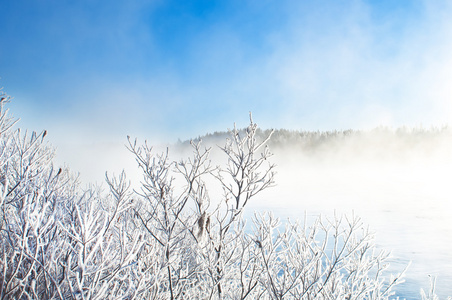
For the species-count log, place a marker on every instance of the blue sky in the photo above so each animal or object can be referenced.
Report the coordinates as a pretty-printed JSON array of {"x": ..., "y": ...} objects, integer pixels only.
[{"x": 92, "y": 72}]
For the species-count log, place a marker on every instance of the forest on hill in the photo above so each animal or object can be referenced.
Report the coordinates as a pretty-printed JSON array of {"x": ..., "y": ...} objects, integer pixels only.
[{"x": 378, "y": 142}]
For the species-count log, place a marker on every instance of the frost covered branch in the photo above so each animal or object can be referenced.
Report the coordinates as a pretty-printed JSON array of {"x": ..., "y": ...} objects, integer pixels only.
[{"x": 174, "y": 237}]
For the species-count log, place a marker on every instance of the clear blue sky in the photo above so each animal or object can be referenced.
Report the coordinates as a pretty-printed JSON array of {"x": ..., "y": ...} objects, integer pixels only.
[{"x": 96, "y": 71}]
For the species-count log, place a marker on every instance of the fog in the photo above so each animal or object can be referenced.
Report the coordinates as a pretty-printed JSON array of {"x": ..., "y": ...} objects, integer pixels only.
[
  {"x": 398, "y": 183},
  {"x": 396, "y": 180}
]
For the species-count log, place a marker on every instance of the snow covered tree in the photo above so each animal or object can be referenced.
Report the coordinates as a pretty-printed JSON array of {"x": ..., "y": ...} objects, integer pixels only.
[{"x": 180, "y": 235}]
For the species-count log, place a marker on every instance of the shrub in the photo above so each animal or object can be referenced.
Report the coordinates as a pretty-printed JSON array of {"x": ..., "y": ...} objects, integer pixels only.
[{"x": 170, "y": 239}]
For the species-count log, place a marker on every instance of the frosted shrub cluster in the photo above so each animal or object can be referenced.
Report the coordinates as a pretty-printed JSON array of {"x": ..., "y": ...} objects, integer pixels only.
[{"x": 170, "y": 239}]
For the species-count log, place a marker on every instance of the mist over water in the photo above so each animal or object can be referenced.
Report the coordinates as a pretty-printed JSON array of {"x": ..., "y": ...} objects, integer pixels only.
[
  {"x": 397, "y": 180},
  {"x": 399, "y": 184}
]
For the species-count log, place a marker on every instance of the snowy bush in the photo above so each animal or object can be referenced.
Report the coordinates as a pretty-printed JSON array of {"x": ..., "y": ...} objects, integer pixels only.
[
  {"x": 431, "y": 294},
  {"x": 171, "y": 238}
]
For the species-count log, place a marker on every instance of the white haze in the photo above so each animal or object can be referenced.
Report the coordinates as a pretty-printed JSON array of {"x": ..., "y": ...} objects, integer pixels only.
[
  {"x": 399, "y": 184},
  {"x": 400, "y": 187}
]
